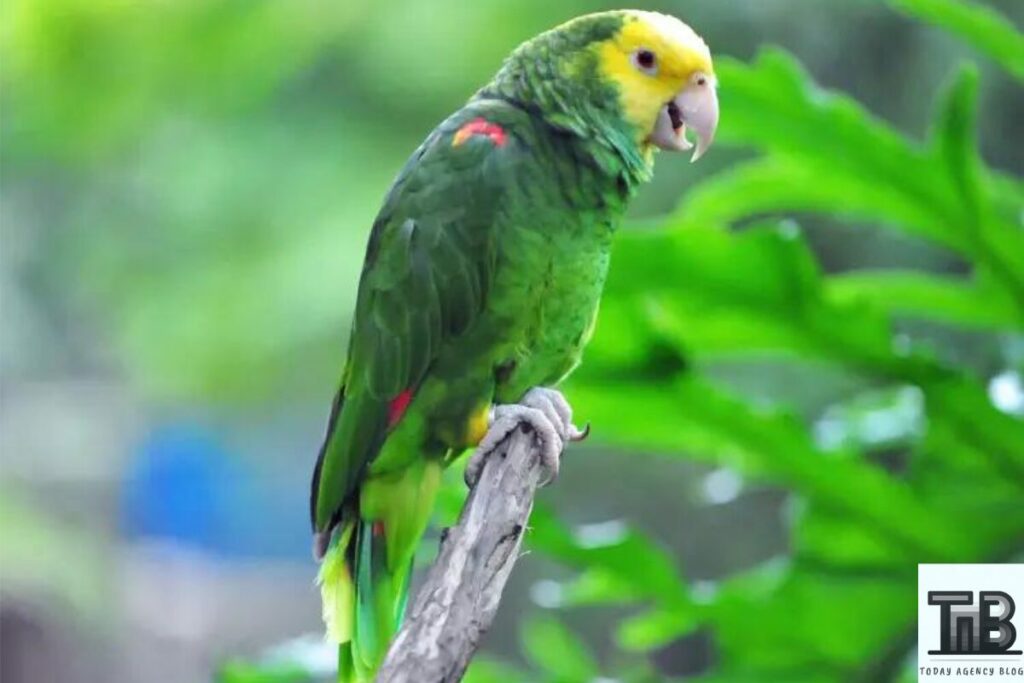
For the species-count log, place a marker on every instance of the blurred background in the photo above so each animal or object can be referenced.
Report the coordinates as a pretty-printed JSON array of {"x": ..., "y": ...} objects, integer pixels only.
[{"x": 806, "y": 378}]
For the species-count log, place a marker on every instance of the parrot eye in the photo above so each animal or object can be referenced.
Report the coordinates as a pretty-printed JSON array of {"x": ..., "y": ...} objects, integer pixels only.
[{"x": 645, "y": 61}]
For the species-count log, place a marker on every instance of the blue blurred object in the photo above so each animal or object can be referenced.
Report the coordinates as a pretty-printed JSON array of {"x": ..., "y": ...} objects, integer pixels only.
[{"x": 183, "y": 485}]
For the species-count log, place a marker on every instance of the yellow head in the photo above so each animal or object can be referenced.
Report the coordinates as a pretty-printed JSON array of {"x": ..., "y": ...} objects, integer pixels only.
[
  {"x": 655, "y": 68},
  {"x": 665, "y": 80}
]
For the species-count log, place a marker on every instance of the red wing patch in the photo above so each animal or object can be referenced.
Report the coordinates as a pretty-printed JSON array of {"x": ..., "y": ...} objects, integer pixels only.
[
  {"x": 480, "y": 126},
  {"x": 396, "y": 409}
]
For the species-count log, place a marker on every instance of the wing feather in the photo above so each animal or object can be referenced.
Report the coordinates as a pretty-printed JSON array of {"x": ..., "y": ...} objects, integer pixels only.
[{"x": 428, "y": 267}]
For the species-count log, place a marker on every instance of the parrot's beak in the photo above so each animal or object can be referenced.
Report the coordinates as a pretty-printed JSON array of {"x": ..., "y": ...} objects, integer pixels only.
[{"x": 695, "y": 109}]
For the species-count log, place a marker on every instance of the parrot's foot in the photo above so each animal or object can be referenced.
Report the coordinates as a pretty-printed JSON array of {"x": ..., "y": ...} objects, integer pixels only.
[{"x": 543, "y": 410}]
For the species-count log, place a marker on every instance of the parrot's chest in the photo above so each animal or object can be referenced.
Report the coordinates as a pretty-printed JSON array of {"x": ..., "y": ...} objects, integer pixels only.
[{"x": 557, "y": 287}]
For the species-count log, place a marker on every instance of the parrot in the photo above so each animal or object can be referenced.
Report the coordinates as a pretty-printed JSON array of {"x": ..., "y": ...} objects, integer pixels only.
[{"x": 480, "y": 288}]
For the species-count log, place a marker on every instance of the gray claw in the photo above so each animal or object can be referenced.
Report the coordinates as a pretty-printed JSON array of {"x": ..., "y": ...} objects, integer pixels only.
[
  {"x": 580, "y": 434},
  {"x": 547, "y": 413}
]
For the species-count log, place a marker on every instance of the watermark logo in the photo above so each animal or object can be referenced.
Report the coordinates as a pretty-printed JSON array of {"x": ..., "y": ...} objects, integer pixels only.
[
  {"x": 967, "y": 628},
  {"x": 967, "y": 622}
]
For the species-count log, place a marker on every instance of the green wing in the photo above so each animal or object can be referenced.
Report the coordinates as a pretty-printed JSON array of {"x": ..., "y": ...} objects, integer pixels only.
[{"x": 425, "y": 280}]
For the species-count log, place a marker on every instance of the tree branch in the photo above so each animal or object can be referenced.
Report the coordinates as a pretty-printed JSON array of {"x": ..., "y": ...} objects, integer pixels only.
[{"x": 457, "y": 602}]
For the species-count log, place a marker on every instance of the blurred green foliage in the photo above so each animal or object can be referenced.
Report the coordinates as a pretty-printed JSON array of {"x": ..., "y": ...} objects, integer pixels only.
[{"x": 200, "y": 178}]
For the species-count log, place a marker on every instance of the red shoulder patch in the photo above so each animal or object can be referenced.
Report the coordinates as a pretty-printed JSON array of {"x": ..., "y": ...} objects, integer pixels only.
[
  {"x": 480, "y": 126},
  {"x": 397, "y": 407}
]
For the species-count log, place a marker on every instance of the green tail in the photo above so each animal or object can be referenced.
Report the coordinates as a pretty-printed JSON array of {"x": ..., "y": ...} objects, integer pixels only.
[
  {"x": 364, "y": 579},
  {"x": 361, "y": 615}
]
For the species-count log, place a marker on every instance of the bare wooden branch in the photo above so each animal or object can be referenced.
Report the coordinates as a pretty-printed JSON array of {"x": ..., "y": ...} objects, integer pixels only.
[{"x": 457, "y": 602}]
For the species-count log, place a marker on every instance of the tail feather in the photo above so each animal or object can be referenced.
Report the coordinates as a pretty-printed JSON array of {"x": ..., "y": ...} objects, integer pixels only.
[
  {"x": 364, "y": 580},
  {"x": 363, "y": 601},
  {"x": 337, "y": 589},
  {"x": 346, "y": 666},
  {"x": 369, "y": 622},
  {"x": 380, "y": 596}
]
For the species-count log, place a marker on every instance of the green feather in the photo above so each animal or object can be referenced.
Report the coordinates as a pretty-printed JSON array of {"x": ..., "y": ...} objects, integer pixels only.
[
  {"x": 346, "y": 667},
  {"x": 337, "y": 590},
  {"x": 367, "y": 627}
]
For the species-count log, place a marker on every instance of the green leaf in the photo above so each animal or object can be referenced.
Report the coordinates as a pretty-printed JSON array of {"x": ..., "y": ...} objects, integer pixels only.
[
  {"x": 774, "y": 106},
  {"x": 826, "y": 153},
  {"x": 955, "y": 139},
  {"x": 701, "y": 420},
  {"x": 919, "y": 295},
  {"x": 625, "y": 560},
  {"x": 775, "y": 184},
  {"x": 711, "y": 291},
  {"x": 968, "y": 411},
  {"x": 557, "y": 652},
  {"x": 655, "y": 628},
  {"x": 983, "y": 27},
  {"x": 601, "y": 586},
  {"x": 707, "y": 291},
  {"x": 820, "y": 535},
  {"x": 770, "y": 620},
  {"x": 484, "y": 669},
  {"x": 997, "y": 243},
  {"x": 961, "y": 478}
]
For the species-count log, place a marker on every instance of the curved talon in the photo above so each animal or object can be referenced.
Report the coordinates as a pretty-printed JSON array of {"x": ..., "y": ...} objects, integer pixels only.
[{"x": 581, "y": 434}]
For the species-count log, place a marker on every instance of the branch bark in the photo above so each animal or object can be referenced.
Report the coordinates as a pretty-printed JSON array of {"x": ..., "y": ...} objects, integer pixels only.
[{"x": 457, "y": 602}]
